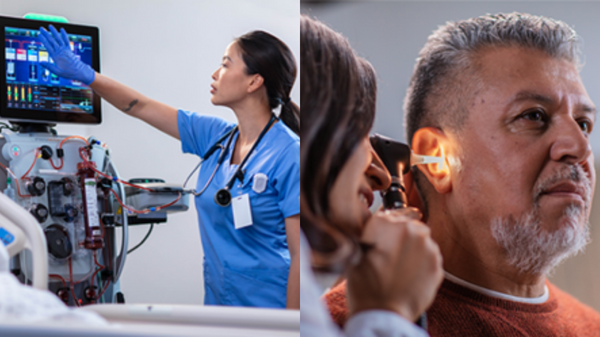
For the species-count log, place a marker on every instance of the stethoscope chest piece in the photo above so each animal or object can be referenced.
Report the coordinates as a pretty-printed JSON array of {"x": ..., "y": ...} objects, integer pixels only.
[{"x": 223, "y": 197}]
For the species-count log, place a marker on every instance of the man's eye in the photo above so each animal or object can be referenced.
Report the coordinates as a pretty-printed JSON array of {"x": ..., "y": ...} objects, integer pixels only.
[
  {"x": 534, "y": 116},
  {"x": 585, "y": 125}
]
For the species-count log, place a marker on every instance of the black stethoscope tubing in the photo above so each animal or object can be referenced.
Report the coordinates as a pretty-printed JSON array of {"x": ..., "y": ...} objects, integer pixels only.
[{"x": 223, "y": 196}]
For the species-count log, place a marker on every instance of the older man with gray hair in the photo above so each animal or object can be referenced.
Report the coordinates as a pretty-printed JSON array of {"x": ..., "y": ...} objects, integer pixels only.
[{"x": 501, "y": 97}]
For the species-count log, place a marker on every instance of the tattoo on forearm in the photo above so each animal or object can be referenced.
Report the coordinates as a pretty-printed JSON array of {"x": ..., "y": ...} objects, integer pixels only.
[{"x": 134, "y": 102}]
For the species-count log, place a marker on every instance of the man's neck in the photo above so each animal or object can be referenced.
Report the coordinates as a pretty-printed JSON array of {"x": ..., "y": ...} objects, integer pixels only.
[{"x": 471, "y": 260}]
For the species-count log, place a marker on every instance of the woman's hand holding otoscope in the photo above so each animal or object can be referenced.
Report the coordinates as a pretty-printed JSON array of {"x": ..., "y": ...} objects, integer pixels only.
[{"x": 402, "y": 269}]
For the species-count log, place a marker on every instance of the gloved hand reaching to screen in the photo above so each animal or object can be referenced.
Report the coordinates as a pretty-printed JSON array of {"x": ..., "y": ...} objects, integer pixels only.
[{"x": 66, "y": 63}]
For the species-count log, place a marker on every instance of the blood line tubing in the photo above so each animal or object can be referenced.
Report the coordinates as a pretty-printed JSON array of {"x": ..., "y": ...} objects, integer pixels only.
[{"x": 93, "y": 231}]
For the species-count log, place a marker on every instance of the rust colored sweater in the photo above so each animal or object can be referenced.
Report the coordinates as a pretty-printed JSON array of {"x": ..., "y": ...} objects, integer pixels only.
[{"x": 459, "y": 311}]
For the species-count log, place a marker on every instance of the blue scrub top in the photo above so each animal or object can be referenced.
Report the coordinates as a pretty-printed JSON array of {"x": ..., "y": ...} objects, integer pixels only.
[{"x": 247, "y": 266}]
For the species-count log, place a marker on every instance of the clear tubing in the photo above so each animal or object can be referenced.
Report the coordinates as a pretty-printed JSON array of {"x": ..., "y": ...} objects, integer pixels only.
[{"x": 119, "y": 261}]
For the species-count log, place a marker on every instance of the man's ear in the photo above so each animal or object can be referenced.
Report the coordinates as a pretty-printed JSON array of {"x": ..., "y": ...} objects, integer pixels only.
[
  {"x": 255, "y": 83},
  {"x": 431, "y": 141}
]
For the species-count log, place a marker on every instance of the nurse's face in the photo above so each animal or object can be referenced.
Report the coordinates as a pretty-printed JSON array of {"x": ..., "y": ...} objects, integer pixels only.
[
  {"x": 230, "y": 85},
  {"x": 352, "y": 192}
]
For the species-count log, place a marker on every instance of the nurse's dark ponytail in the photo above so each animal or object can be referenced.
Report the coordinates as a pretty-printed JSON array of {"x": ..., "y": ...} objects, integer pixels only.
[{"x": 266, "y": 55}]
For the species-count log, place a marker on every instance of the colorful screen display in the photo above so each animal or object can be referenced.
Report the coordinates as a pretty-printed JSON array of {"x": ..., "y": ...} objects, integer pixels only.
[{"x": 31, "y": 86}]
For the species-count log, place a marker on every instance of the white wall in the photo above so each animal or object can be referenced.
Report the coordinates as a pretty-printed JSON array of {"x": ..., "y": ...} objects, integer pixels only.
[
  {"x": 390, "y": 35},
  {"x": 167, "y": 50}
]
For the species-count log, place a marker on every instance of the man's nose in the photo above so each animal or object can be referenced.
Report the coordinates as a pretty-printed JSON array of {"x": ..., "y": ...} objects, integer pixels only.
[
  {"x": 572, "y": 145},
  {"x": 378, "y": 176}
]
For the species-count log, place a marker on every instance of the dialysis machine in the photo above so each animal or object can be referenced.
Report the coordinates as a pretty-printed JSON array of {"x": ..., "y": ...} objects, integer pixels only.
[{"x": 68, "y": 182}]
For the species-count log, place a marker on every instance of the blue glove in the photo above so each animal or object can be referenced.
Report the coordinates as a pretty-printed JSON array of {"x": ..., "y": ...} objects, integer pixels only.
[{"x": 66, "y": 64}]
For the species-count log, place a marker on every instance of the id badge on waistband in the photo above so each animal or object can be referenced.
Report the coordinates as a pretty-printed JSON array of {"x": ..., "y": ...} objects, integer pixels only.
[{"x": 242, "y": 214}]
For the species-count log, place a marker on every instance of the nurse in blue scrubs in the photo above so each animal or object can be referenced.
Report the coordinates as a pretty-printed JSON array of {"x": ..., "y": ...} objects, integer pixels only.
[{"x": 251, "y": 240}]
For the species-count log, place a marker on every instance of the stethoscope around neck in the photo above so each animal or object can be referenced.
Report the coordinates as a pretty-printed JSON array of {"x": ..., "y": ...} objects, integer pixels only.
[{"x": 223, "y": 196}]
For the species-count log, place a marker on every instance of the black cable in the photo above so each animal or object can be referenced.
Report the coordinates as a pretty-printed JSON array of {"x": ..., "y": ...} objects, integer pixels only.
[
  {"x": 422, "y": 321},
  {"x": 143, "y": 240},
  {"x": 6, "y": 126}
]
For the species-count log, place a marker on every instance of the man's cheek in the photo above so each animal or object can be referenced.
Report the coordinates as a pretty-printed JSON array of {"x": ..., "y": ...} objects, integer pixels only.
[
  {"x": 591, "y": 168},
  {"x": 593, "y": 175}
]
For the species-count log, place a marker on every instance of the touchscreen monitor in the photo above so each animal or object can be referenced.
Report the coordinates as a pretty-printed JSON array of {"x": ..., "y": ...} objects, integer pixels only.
[{"x": 34, "y": 94}]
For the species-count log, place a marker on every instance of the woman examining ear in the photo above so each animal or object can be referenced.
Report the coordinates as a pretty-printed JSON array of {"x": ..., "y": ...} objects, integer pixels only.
[
  {"x": 392, "y": 265},
  {"x": 248, "y": 190}
]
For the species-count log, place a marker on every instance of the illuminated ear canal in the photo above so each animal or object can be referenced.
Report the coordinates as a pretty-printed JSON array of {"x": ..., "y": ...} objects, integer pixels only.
[{"x": 432, "y": 142}]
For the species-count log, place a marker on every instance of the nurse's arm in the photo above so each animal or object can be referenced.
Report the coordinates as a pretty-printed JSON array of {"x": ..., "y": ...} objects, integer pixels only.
[
  {"x": 131, "y": 102},
  {"x": 292, "y": 230}
]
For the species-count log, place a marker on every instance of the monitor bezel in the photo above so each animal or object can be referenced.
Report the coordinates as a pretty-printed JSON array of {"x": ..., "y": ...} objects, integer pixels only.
[{"x": 45, "y": 117}]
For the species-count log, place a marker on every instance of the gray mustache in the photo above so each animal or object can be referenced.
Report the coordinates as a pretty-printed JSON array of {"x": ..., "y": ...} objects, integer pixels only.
[{"x": 574, "y": 173}]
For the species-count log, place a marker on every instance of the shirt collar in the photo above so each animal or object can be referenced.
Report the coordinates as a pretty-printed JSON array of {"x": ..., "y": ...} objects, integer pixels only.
[{"x": 496, "y": 294}]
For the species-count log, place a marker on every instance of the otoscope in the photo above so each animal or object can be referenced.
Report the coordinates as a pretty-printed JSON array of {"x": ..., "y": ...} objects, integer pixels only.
[{"x": 397, "y": 159}]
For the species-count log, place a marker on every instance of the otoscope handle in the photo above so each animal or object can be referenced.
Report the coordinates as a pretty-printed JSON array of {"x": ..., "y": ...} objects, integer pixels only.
[
  {"x": 396, "y": 158},
  {"x": 422, "y": 321},
  {"x": 395, "y": 198}
]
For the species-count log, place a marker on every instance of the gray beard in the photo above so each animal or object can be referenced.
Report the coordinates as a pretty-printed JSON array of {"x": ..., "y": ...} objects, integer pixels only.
[{"x": 534, "y": 250}]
